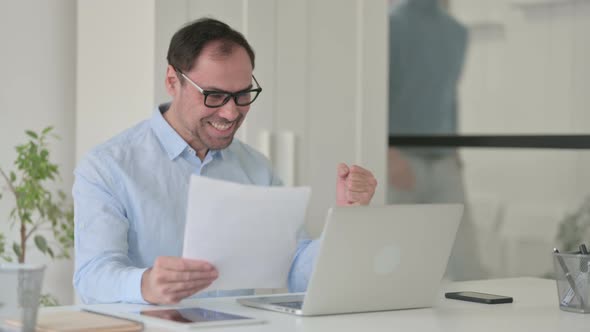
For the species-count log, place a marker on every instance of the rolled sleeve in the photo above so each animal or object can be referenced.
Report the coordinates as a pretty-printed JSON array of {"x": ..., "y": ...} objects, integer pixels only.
[{"x": 103, "y": 272}]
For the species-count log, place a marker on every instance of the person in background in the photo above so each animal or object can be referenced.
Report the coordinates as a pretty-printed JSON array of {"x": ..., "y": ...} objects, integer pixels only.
[{"x": 427, "y": 50}]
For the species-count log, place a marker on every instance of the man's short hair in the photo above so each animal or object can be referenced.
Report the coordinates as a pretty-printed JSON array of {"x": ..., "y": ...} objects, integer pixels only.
[{"x": 187, "y": 43}]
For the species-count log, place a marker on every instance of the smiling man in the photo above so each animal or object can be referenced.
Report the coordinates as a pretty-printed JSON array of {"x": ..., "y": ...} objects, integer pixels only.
[{"x": 130, "y": 193}]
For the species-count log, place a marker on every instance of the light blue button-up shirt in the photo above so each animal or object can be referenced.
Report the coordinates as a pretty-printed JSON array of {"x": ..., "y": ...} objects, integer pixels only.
[{"x": 130, "y": 197}]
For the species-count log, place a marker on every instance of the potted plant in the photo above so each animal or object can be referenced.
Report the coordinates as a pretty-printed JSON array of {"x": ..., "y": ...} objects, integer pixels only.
[{"x": 37, "y": 211}]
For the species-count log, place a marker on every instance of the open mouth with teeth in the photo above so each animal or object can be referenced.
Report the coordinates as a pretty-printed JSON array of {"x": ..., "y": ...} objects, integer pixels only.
[{"x": 222, "y": 128}]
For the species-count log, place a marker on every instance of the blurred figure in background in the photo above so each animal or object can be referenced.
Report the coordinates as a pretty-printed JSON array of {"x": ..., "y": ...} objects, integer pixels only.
[{"x": 427, "y": 49}]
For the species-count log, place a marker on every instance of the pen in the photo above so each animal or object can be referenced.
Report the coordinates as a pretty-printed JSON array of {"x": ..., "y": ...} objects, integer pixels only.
[{"x": 568, "y": 276}]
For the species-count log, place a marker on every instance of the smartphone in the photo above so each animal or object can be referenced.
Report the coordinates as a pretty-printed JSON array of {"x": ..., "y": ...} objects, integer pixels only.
[{"x": 479, "y": 297}]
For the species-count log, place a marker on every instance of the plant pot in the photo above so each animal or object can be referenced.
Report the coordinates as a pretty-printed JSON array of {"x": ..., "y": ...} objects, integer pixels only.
[{"x": 19, "y": 298}]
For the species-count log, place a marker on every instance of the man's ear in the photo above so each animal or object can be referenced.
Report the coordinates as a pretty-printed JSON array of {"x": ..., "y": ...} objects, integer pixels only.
[{"x": 172, "y": 82}]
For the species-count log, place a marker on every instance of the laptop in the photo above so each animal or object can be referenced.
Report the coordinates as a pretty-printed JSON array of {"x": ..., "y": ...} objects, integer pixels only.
[{"x": 375, "y": 258}]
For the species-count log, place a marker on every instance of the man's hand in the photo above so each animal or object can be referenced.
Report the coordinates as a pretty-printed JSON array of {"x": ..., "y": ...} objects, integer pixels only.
[
  {"x": 354, "y": 186},
  {"x": 171, "y": 279}
]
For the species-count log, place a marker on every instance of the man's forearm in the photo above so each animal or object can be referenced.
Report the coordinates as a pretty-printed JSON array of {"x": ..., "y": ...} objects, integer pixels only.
[
  {"x": 108, "y": 280},
  {"x": 303, "y": 265}
]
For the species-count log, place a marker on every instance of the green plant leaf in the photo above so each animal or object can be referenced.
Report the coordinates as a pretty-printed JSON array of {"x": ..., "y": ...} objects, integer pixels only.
[
  {"x": 2, "y": 244},
  {"x": 48, "y": 300},
  {"x": 48, "y": 129},
  {"x": 32, "y": 134},
  {"x": 41, "y": 243},
  {"x": 34, "y": 203},
  {"x": 16, "y": 249}
]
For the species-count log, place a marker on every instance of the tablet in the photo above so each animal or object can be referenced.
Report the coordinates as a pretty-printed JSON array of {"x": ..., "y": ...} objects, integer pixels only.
[
  {"x": 190, "y": 317},
  {"x": 196, "y": 317}
]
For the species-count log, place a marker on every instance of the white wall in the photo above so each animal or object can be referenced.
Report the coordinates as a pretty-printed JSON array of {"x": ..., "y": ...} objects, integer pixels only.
[
  {"x": 37, "y": 89},
  {"x": 115, "y": 75}
]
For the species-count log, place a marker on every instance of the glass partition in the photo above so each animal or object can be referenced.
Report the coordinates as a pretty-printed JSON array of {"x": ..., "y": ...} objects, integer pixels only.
[{"x": 488, "y": 106}]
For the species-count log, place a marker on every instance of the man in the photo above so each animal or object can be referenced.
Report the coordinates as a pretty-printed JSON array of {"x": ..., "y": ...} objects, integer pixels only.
[
  {"x": 426, "y": 53},
  {"x": 130, "y": 193}
]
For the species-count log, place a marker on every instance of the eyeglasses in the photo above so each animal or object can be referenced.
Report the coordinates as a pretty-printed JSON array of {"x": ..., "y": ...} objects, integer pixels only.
[{"x": 219, "y": 98}]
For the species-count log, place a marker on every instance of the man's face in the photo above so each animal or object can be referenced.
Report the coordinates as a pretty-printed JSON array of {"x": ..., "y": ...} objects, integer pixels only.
[{"x": 204, "y": 127}]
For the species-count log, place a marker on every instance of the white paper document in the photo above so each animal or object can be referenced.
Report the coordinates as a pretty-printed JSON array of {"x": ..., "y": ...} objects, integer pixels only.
[{"x": 249, "y": 233}]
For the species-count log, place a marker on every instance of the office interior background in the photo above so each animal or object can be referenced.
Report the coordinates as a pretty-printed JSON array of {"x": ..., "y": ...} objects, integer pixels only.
[{"x": 95, "y": 68}]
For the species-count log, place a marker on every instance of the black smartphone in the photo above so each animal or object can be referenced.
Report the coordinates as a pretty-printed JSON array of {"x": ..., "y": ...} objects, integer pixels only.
[{"x": 478, "y": 297}]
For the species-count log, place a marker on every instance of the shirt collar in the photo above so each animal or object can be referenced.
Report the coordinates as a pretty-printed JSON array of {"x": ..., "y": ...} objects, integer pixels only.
[{"x": 169, "y": 138}]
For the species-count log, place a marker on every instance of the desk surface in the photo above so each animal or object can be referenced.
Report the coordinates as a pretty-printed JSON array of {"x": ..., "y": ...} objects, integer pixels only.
[{"x": 535, "y": 308}]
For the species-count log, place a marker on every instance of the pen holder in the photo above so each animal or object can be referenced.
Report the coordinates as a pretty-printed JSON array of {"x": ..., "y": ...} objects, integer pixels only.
[{"x": 573, "y": 287}]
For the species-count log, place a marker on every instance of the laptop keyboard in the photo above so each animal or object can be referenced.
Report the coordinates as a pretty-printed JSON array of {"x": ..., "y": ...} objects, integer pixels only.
[{"x": 292, "y": 305}]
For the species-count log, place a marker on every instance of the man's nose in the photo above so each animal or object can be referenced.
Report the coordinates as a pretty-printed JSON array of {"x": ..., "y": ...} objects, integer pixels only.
[{"x": 229, "y": 111}]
